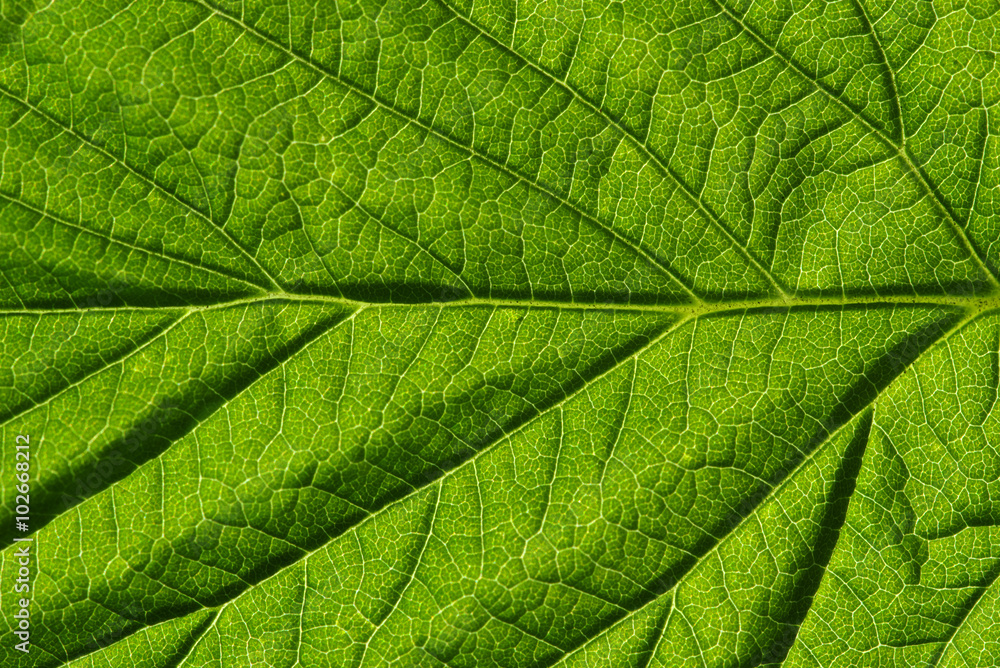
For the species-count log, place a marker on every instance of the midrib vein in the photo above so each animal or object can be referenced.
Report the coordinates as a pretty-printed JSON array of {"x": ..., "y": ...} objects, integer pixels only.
[{"x": 977, "y": 304}]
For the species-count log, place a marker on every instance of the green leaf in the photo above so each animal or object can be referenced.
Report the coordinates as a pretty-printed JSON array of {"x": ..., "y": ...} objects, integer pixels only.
[{"x": 461, "y": 333}]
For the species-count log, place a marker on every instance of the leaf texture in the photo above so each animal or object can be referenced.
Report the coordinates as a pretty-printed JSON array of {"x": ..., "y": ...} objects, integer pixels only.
[{"x": 502, "y": 333}]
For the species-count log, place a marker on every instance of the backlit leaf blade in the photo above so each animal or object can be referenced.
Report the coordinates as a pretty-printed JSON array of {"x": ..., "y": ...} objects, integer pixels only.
[{"x": 501, "y": 333}]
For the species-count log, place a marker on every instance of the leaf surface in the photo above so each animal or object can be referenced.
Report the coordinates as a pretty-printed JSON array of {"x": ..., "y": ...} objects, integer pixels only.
[{"x": 394, "y": 333}]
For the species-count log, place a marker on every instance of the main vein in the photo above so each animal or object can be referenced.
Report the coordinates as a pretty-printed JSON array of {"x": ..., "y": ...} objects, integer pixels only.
[{"x": 976, "y": 303}]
